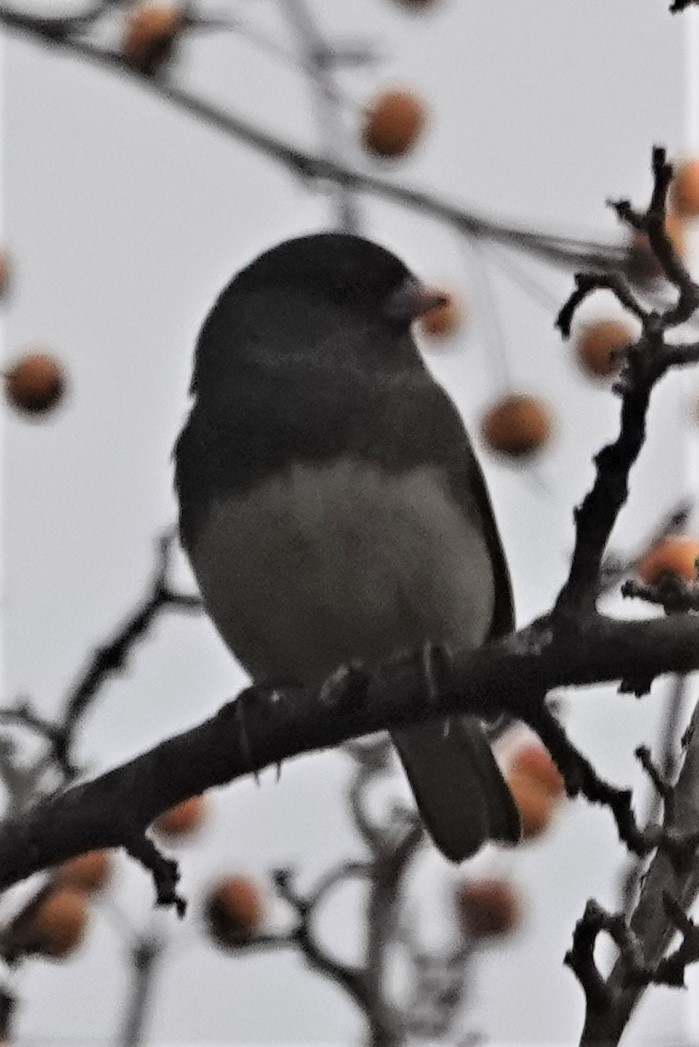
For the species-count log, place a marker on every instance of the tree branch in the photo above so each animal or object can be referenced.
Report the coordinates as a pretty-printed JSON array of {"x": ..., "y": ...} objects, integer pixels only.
[
  {"x": 319, "y": 60},
  {"x": 559, "y": 250},
  {"x": 350, "y": 978},
  {"x": 107, "y": 660},
  {"x": 644, "y": 365},
  {"x": 258, "y": 730},
  {"x": 110, "y": 658},
  {"x": 671, "y": 883},
  {"x": 146, "y": 956}
]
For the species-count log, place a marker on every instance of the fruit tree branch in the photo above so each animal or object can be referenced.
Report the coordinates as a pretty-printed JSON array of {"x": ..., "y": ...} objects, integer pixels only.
[
  {"x": 644, "y": 365},
  {"x": 106, "y": 661},
  {"x": 669, "y": 888},
  {"x": 559, "y": 250},
  {"x": 259, "y": 729}
]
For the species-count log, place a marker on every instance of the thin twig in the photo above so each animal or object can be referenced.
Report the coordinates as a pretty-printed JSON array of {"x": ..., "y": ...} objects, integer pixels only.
[
  {"x": 350, "y": 978},
  {"x": 319, "y": 60},
  {"x": 616, "y": 568},
  {"x": 107, "y": 660},
  {"x": 654, "y": 922},
  {"x": 644, "y": 365},
  {"x": 562, "y": 251},
  {"x": 111, "y": 656},
  {"x": 144, "y": 962}
]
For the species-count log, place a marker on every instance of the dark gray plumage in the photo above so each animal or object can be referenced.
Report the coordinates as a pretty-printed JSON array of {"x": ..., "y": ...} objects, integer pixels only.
[{"x": 331, "y": 504}]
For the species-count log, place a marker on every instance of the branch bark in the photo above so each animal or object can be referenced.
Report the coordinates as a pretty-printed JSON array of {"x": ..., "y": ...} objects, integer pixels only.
[
  {"x": 260, "y": 729},
  {"x": 649, "y": 926}
]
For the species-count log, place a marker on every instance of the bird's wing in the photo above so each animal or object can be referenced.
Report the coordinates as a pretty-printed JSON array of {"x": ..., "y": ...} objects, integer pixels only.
[
  {"x": 427, "y": 429},
  {"x": 460, "y": 791}
]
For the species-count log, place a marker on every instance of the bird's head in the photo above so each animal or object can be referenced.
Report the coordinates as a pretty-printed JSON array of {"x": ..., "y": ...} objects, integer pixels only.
[{"x": 325, "y": 293}]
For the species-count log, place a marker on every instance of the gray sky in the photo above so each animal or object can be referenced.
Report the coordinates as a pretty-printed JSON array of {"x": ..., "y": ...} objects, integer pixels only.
[{"x": 125, "y": 217}]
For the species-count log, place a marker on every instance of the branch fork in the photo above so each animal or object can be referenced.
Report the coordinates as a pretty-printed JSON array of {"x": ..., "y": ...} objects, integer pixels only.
[{"x": 637, "y": 971}]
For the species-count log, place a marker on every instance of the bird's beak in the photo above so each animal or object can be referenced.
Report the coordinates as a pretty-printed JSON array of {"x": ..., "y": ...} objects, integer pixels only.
[{"x": 413, "y": 299}]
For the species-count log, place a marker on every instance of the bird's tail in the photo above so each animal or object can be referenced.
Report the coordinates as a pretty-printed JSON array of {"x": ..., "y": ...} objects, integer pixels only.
[{"x": 462, "y": 797}]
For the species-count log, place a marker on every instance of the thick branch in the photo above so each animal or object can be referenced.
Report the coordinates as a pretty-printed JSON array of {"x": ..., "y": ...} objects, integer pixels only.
[
  {"x": 650, "y": 928},
  {"x": 258, "y": 730}
]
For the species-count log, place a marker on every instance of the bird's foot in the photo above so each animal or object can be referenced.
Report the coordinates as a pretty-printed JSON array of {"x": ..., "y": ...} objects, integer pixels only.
[
  {"x": 347, "y": 683},
  {"x": 437, "y": 663}
]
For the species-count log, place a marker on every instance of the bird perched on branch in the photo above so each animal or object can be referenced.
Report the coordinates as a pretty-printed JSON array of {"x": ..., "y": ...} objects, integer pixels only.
[{"x": 331, "y": 504}]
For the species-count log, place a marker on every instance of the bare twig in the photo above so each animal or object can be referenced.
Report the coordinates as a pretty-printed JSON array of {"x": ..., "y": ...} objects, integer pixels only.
[
  {"x": 559, "y": 250},
  {"x": 109, "y": 659},
  {"x": 387, "y": 1026},
  {"x": 668, "y": 890},
  {"x": 581, "y": 957},
  {"x": 390, "y": 849},
  {"x": 144, "y": 961},
  {"x": 165, "y": 871},
  {"x": 615, "y": 568},
  {"x": 372, "y": 761},
  {"x": 644, "y": 364},
  {"x": 350, "y": 978},
  {"x": 673, "y": 593},
  {"x": 319, "y": 60},
  {"x": 668, "y": 747}
]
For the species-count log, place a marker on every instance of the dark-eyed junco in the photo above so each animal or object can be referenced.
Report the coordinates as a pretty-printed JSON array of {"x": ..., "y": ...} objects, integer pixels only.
[{"x": 332, "y": 507}]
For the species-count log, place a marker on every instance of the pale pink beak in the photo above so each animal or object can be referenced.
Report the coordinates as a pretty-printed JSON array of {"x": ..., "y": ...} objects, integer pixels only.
[{"x": 413, "y": 299}]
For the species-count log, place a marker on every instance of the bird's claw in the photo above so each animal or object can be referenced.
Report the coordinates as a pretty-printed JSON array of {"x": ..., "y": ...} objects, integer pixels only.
[{"x": 437, "y": 663}]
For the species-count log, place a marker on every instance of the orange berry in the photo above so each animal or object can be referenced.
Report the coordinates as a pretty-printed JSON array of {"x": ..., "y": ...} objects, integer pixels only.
[
  {"x": 533, "y": 760},
  {"x": 675, "y": 554},
  {"x": 152, "y": 31},
  {"x": 35, "y": 384},
  {"x": 393, "y": 123},
  {"x": 518, "y": 425},
  {"x": 234, "y": 910},
  {"x": 598, "y": 343},
  {"x": 57, "y": 926},
  {"x": 676, "y": 229},
  {"x": 534, "y": 803},
  {"x": 489, "y": 907},
  {"x": 684, "y": 190},
  {"x": 443, "y": 320},
  {"x": 88, "y": 872},
  {"x": 184, "y": 819}
]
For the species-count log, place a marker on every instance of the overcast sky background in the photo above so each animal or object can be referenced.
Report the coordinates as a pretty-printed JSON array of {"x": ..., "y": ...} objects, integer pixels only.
[{"x": 124, "y": 218}]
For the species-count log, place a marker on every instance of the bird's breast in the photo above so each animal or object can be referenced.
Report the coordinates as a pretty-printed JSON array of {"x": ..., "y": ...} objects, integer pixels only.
[{"x": 320, "y": 564}]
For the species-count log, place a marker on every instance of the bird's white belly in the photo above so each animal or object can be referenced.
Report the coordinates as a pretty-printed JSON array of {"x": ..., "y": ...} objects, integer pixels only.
[{"x": 321, "y": 564}]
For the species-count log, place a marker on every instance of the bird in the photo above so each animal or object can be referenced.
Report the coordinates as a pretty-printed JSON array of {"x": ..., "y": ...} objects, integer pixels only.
[{"x": 332, "y": 507}]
